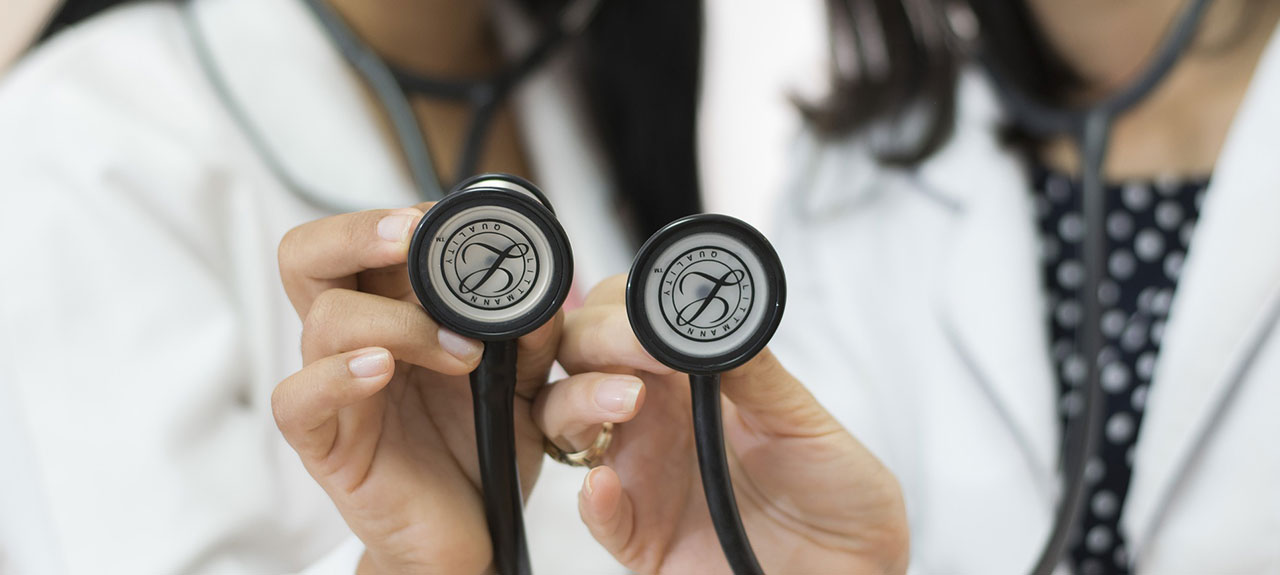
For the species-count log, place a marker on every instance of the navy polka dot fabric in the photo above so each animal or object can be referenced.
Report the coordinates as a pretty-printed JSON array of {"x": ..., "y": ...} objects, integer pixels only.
[{"x": 1149, "y": 226}]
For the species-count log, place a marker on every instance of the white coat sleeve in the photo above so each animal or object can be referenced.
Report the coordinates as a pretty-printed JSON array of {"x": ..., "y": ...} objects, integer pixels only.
[{"x": 141, "y": 315}]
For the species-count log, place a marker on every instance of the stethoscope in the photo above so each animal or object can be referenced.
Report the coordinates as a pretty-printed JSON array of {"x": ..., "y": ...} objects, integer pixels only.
[
  {"x": 1090, "y": 126},
  {"x": 490, "y": 261},
  {"x": 704, "y": 295}
]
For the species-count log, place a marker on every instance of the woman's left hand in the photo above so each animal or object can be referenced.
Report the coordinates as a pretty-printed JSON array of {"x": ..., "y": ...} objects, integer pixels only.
[{"x": 812, "y": 498}]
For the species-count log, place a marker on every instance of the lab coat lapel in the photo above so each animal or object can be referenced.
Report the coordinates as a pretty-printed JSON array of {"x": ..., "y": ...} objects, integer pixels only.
[
  {"x": 990, "y": 302},
  {"x": 1226, "y": 304},
  {"x": 299, "y": 95}
]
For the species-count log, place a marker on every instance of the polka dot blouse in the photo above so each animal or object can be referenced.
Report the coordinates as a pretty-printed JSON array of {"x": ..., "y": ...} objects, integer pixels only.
[{"x": 1149, "y": 227}]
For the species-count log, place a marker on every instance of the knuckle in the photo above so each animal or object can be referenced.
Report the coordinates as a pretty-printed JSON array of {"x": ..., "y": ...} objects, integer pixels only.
[
  {"x": 358, "y": 229},
  {"x": 408, "y": 318},
  {"x": 287, "y": 248},
  {"x": 279, "y": 411},
  {"x": 322, "y": 315}
]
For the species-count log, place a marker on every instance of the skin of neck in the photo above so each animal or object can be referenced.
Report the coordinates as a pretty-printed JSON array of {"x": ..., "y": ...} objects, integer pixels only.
[
  {"x": 1180, "y": 127},
  {"x": 446, "y": 38}
]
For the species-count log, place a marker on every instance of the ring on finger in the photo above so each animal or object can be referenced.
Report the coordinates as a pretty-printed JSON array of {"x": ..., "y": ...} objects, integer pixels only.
[{"x": 592, "y": 456}]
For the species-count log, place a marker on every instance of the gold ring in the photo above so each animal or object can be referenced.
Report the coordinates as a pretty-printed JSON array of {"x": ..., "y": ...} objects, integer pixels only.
[{"x": 589, "y": 457}]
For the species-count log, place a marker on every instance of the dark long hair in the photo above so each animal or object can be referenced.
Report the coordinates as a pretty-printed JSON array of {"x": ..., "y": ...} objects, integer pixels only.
[
  {"x": 891, "y": 58},
  {"x": 641, "y": 65}
]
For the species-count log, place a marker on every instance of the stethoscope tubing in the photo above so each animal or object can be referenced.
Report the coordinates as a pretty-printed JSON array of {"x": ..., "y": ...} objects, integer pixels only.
[
  {"x": 493, "y": 392},
  {"x": 708, "y": 435}
]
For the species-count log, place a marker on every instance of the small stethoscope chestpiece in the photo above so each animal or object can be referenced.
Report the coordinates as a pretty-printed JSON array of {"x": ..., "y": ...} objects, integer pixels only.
[
  {"x": 491, "y": 262},
  {"x": 705, "y": 294}
]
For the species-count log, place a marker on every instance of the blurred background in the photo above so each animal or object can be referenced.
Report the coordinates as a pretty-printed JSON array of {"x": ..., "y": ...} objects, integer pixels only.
[{"x": 745, "y": 75}]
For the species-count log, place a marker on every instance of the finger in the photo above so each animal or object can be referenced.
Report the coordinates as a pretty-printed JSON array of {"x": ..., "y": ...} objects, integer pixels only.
[
  {"x": 571, "y": 410},
  {"x": 537, "y": 351},
  {"x": 770, "y": 399},
  {"x": 342, "y": 320},
  {"x": 328, "y": 253},
  {"x": 306, "y": 404},
  {"x": 599, "y": 338},
  {"x": 611, "y": 290},
  {"x": 607, "y": 510}
]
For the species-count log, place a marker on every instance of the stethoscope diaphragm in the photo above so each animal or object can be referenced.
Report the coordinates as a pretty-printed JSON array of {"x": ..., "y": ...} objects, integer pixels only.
[
  {"x": 706, "y": 293},
  {"x": 491, "y": 263}
]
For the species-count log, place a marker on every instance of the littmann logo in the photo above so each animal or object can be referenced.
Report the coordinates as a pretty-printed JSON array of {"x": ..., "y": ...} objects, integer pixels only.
[
  {"x": 707, "y": 293},
  {"x": 489, "y": 264}
]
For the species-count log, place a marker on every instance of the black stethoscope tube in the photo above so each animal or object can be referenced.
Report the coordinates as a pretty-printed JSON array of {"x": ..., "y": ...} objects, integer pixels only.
[
  {"x": 1090, "y": 126},
  {"x": 493, "y": 392},
  {"x": 493, "y": 211},
  {"x": 708, "y": 435}
]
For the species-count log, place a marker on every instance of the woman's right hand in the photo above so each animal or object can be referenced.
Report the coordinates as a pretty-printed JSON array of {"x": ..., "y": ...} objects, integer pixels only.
[
  {"x": 812, "y": 498},
  {"x": 381, "y": 413}
]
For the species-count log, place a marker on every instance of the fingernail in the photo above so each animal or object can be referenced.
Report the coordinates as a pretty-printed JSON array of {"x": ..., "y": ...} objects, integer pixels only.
[
  {"x": 586, "y": 485},
  {"x": 370, "y": 364},
  {"x": 463, "y": 348},
  {"x": 618, "y": 394},
  {"x": 395, "y": 227}
]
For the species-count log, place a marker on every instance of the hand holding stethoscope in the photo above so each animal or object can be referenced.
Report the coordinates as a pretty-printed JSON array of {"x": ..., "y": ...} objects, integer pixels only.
[
  {"x": 811, "y": 498},
  {"x": 393, "y": 444}
]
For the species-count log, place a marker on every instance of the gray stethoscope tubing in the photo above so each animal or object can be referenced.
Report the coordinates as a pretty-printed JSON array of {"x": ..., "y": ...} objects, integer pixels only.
[
  {"x": 1091, "y": 127},
  {"x": 389, "y": 87}
]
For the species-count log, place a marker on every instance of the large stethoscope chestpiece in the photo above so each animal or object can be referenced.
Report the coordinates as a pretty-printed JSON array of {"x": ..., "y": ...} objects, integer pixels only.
[
  {"x": 491, "y": 263},
  {"x": 705, "y": 294}
]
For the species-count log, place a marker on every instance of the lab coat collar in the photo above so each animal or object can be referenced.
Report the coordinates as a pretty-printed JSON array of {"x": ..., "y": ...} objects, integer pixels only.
[
  {"x": 989, "y": 300},
  {"x": 1225, "y": 307},
  {"x": 309, "y": 107}
]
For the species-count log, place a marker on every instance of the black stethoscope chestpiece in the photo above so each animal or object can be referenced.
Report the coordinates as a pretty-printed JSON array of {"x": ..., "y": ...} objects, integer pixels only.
[
  {"x": 491, "y": 263},
  {"x": 706, "y": 294}
]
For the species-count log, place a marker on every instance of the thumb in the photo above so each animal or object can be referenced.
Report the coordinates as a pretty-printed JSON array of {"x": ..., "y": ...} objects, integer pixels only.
[
  {"x": 607, "y": 511},
  {"x": 773, "y": 401}
]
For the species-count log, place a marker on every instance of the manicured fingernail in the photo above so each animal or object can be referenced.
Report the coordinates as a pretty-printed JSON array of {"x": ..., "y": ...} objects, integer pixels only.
[
  {"x": 463, "y": 348},
  {"x": 370, "y": 364},
  {"x": 395, "y": 227},
  {"x": 618, "y": 394}
]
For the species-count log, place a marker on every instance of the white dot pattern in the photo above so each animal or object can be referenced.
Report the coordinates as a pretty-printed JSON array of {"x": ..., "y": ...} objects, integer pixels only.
[{"x": 1149, "y": 226}]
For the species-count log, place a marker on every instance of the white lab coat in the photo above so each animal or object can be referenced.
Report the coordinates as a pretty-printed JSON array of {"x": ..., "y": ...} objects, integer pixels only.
[
  {"x": 142, "y": 322},
  {"x": 916, "y": 315}
]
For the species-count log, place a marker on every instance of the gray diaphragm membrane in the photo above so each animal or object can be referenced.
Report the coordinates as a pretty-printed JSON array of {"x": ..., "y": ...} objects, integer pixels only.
[
  {"x": 705, "y": 294},
  {"x": 490, "y": 263}
]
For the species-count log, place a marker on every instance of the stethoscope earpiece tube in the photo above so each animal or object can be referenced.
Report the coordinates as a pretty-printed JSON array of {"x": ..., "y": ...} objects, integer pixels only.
[
  {"x": 708, "y": 435},
  {"x": 704, "y": 296},
  {"x": 491, "y": 262}
]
